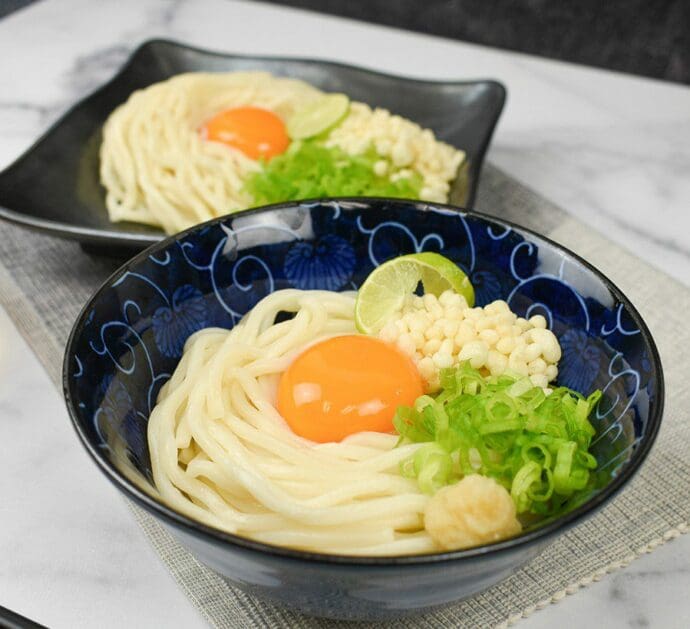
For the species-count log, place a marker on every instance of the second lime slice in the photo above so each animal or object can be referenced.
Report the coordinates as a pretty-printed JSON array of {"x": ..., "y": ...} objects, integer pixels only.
[
  {"x": 384, "y": 291},
  {"x": 318, "y": 117}
]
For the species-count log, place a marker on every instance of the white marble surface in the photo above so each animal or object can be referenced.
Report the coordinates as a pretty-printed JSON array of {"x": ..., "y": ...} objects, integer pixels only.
[
  {"x": 612, "y": 149},
  {"x": 72, "y": 554}
]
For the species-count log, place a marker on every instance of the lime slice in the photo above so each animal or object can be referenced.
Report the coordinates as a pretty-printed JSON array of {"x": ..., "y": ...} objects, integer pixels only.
[
  {"x": 384, "y": 291},
  {"x": 317, "y": 117}
]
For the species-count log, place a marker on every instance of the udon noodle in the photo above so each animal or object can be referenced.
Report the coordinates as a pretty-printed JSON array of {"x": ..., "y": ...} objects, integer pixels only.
[
  {"x": 222, "y": 454},
  {"x": 158, "y": 170}
]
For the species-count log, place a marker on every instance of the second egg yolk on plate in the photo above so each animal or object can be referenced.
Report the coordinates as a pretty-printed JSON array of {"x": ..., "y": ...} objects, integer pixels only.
[
  {"x": 344, "y": 385},
  {"x": 255, "y": 131}
]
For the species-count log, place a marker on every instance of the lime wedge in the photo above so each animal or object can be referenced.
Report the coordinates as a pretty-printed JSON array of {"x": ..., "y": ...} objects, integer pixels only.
[
  {"x": 384, "y": 291},
  {"x": 317, "y": 117}
]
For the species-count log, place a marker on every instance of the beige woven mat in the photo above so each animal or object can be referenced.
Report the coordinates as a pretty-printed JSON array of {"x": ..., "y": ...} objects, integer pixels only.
[{"x": 45, "y": 281}]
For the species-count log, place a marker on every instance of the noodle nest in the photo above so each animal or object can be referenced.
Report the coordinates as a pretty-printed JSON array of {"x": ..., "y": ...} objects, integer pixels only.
[
  {"x": 222, "y": 454},
  {"x": 155, "y": 166}
]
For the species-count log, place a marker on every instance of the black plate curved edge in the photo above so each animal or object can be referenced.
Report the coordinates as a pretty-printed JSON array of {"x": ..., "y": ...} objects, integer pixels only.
[
  {"x": 54, "y": 186},
  {"x": 541, "y": 534},
  {"x": 13, "y": 620}
]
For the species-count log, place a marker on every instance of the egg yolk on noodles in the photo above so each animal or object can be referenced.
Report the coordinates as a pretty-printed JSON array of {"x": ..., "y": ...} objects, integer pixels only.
[
  {"x": 344, "y": 385},
  {"x": 254, "y": 131}
]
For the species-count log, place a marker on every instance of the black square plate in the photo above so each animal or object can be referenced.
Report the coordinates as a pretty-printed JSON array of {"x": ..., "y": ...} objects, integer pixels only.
[{"x": 54, "y": 186}]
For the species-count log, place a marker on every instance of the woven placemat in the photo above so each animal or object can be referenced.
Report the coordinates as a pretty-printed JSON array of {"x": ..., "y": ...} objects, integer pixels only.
[{"x": 44, "y": 282}]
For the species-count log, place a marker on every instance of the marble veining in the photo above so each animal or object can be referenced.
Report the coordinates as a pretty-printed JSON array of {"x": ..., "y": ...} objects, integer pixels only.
[
  {"x": 613, "y": 150},
  {"x": 79, "y": 79}
]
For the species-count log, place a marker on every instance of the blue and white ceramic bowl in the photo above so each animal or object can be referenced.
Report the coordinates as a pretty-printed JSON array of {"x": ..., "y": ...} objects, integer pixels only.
[{"x": 129, "y": 337}]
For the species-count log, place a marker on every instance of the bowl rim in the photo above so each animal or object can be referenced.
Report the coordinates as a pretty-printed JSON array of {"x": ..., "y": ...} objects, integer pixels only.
[
  {"x": 213, "y": 535},
  {"x": 99, "y": 236}
]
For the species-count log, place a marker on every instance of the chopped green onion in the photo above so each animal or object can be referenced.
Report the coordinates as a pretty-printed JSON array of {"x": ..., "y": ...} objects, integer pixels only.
[
  {"x": 527, "y": 476},
  {"x": 308, "y": 169},
  {"x": 506, "y": 428},
  {"x": 432, "y": 466}
]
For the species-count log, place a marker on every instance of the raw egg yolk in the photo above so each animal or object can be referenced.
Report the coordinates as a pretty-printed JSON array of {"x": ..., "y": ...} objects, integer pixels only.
[
  {"x": 254, "y": 131},
  {"x": 345, "y": 385}
]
